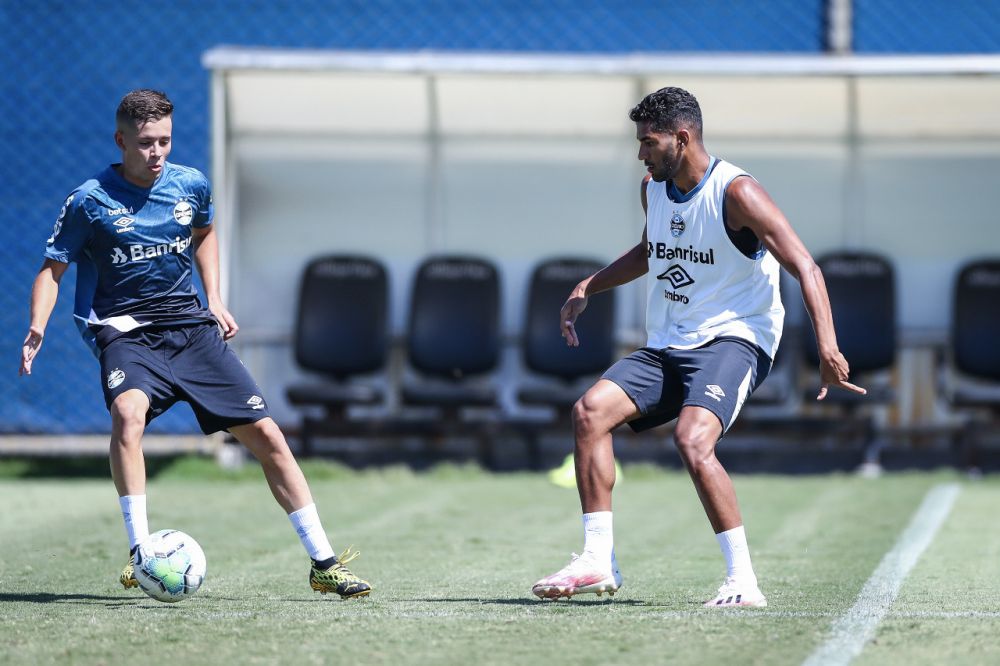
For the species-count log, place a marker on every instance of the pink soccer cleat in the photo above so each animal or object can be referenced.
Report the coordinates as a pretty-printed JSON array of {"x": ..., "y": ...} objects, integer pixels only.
[{"x": 581, "y": 575}]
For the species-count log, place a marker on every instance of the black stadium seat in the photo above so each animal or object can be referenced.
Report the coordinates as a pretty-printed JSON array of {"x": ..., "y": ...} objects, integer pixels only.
[
  {"x": 341, "y": 332},
  {"x": 558, "y": 374},
  {"x": 976, "y": 320},
  {"x": 974, "y": 381},
  {"x": 862, "y": 288},
  {"x": 453, "y": 334},
  {"x": 544, "y": 349}
]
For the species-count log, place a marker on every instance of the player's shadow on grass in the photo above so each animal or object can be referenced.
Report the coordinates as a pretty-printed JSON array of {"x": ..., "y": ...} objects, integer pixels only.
[
  {"x": 49, "y": 598},
  {"x": 538, "y": 602}
]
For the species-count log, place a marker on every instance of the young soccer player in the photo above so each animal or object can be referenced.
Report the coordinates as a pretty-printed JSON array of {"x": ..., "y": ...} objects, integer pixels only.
[{"x": 137, "y": 227}]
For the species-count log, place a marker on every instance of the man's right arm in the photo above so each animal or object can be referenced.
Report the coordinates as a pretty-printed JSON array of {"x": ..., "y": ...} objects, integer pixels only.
[
  {"x": 629, "y": 266},
  {"x": 43, "y": 299}
]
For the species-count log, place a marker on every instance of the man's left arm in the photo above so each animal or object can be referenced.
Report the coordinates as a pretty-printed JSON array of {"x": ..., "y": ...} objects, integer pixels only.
[
  {"x": 206, "y": 258},
  {"x": 749, "y": 205}
]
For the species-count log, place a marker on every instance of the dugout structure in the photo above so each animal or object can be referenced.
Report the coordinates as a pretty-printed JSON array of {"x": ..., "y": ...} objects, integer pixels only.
[{"x": 523, "y": 156}]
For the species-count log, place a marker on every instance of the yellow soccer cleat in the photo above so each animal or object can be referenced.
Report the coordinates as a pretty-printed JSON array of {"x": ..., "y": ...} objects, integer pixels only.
[
  {"x": 338, "y": 578},
  {"x": 127, "y": 577}
]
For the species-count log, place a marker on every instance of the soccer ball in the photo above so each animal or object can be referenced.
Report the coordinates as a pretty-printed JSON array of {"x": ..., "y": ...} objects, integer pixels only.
[{"x": 169, "y": 566}]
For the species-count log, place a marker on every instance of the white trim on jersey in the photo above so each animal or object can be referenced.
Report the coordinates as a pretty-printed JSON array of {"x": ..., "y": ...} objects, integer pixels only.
[{"x": 123, "y": 323}]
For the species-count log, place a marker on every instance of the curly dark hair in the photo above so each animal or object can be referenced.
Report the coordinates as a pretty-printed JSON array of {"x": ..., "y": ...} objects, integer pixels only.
[
  {"x": 142, "y": 106},
  {"x": 667, "y": 109}
]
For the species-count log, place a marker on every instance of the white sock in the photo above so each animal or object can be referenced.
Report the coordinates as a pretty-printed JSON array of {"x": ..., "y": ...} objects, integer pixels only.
[
  {"x": 598, "y": 537},
  {"x": 134, "y": 513},
  {"x": 310, "y": 531},
  {"x": 734, "y": 548}
]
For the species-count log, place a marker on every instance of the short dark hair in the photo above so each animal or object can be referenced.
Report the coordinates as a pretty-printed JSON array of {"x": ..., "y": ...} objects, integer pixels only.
[
  {"x": 667, "y": 109},
  {"x": 142, "y": 106}
]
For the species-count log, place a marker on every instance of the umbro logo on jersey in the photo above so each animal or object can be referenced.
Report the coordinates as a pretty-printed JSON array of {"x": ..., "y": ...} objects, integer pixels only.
[
  {"x": 715, "y": 391},
  {"x": 256, "y": 402},
  {"x": 677, "y": 276},
  {"x": 124, "y": 224}
]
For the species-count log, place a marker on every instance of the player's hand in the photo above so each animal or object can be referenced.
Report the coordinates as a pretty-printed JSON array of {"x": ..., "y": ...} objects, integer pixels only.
[
  {"x": 834, "y": 371},
  {"x": 571, "y": 309},
  {"x": 226, "y": 321},
  {"x": 32, "y": 343}
]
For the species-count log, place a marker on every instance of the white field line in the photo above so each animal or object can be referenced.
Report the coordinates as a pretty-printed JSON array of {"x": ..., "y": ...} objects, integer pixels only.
[{"x": 856, "y": 627}]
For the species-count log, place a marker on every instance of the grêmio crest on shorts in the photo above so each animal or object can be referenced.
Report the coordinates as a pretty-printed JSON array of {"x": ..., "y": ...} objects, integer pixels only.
[{"x": 132, "y": 246}]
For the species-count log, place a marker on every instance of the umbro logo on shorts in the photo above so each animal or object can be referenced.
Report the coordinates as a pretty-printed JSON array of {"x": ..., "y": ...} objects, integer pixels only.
[
  {"x": 715, "y": 391},
  {"x": 256, "y": 402}
]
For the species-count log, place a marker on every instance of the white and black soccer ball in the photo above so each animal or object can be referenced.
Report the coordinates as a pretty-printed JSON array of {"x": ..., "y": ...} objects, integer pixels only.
[{"x": 169, "y": 565}]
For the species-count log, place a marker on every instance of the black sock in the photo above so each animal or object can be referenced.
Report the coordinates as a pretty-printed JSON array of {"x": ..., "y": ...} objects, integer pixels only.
[{"x": 325, "y": 564}]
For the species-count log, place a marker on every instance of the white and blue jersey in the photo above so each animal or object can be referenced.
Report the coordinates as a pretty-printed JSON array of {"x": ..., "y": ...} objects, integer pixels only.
[{"x": 132, "y": 246}]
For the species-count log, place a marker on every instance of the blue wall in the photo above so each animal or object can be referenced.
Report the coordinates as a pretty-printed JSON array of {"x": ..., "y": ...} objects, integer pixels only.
[
  {"x": 926, "y": 26},
  {"x": 66, "y": 64}
]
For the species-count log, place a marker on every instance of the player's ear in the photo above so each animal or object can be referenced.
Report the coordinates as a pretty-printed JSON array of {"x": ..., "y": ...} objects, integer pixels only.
[
  {"x": 683, "y": 137},
  {"x": 120, "y": 139}
]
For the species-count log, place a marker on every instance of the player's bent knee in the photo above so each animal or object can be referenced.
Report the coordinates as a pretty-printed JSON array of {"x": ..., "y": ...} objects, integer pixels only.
[
  {"x": 264, "y": 435},
  {"x": 695, "y": 445},
  {"x": 585, "y": 417},
  {"x": 129, "y": 410},
  {"x": 267, "y": 429}
]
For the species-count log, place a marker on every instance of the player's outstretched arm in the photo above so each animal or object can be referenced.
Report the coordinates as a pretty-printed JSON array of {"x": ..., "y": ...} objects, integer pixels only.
[
  {"x": 44, "y": 293},
  {"x": 629, "y": 266},
  {"x": 749, "y": 205},
  {"x": 622, "y": 270},
  {"x": 206, "y": 258}
]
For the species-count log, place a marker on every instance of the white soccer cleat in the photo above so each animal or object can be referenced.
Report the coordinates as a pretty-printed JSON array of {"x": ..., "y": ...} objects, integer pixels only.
[
  {"x": 735, "y": 593},
  {"x": 580, "y": 576}
]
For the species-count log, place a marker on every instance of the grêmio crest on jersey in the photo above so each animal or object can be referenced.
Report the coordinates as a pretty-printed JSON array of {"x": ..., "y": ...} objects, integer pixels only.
[{"x": 676, "y": 225}]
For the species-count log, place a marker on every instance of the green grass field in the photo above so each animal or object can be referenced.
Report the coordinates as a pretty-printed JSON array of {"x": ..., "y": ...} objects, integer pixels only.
[{"x": 452, "y": 554}]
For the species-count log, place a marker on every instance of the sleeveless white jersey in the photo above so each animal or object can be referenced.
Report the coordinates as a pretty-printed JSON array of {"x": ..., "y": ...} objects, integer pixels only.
[{"x": 702, "y": 287}]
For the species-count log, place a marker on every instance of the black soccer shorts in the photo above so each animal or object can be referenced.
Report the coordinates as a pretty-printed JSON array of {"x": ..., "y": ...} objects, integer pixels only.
[
  {"x": 718, "y": 376},
  {"x": 190, "y": 363}
]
